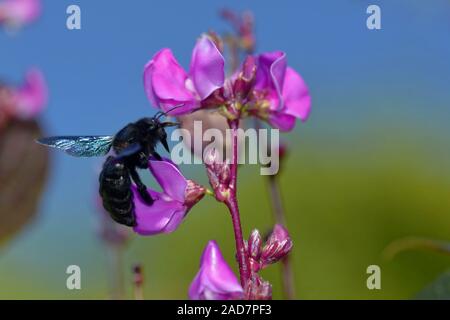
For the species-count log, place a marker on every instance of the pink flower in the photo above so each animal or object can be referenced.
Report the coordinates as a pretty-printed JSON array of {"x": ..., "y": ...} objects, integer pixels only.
[
  {"x": 19, "y": 12},
  {"x": 24, "y": 102},
  {"x": 281, "y": 92},
  {"x": 31, "y": 97},
  {"x": 215, "y": 280},
  {"x": 168, "y": 85},
  {"x": 171, "y": 205},
  {"x": 264, "y": 87}
]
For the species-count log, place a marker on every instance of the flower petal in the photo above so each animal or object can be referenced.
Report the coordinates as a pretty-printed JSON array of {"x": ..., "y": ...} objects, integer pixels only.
[
  {"x": 281, "y": 120},
  {"x": 169, "y": 178},
  {"x": 270, "y": 75},
  {"x": 163, "y": 216},
  {"x": 18, "y": 12},
  {"x": 207, "y": 67},
  {"x": 165, "y": 84},
  {"x": 215, "y": 279},
  {"x": 295, "y": 93},
  {"x": 31, "y": 98}
]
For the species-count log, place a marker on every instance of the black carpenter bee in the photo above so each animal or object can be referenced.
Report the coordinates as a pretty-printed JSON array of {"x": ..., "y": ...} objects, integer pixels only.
[{"x": 132, "y": 145}]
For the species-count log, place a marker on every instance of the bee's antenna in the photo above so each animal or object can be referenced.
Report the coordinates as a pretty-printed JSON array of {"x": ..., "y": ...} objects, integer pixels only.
[{"x": 160, "y": 113}]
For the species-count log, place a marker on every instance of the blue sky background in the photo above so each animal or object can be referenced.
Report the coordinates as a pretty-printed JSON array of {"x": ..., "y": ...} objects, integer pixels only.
[{"x": 397, "y": 77}]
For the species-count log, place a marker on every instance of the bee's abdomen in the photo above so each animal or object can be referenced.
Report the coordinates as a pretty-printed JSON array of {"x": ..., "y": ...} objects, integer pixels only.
[{"x": 115, "y": 190}]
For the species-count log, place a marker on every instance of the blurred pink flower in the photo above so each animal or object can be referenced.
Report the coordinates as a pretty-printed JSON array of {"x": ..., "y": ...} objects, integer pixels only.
[
  {"x": 215, "y": 280},
  {"x": 168, "y": 85},
  {"x": 24, "y": 102},
  {"x": 282, "y": 93},
  {"x": 171, "y": 205},
  {"x": 17, "y": 13},
  {"x": 31, "y": 98}
]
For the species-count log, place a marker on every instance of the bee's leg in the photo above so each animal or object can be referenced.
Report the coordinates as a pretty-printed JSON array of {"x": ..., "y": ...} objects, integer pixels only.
[
  {"x": 142, "y": 189},
  {"x": 142, "y": 161}
]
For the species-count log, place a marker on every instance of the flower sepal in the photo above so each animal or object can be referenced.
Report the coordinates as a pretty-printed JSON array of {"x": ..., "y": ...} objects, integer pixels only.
[{"x": 257, "y": 288}]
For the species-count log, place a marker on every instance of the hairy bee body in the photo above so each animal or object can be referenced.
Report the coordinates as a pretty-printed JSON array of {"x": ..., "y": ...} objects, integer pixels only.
[{"x": 115, "y": 190}]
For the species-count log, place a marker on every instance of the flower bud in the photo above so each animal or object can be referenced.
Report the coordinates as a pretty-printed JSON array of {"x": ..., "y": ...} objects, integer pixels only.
[
  {"x": 278, "y": 245},
  {"x": 247, "y": 34},
  {"x": 258, "y": 289},
  {"x": 253, "y": 247},
  {"x": 219, "y": 174},
  {"x": 138, "y": 275},
  {"x": 244, "y": 28},
  {"x": 254, "y": 244},
  {"x": 283, "y": 150},
  {"x": 138, "y": 282},
  {"x": 245, "y": 79}
]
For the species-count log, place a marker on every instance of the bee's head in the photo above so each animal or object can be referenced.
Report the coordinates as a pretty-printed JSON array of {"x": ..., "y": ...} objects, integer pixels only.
[
  {"x": 155, "y": 128},
  {"x": 152, "y": 124},
  {"x": 155, "y": 125}
]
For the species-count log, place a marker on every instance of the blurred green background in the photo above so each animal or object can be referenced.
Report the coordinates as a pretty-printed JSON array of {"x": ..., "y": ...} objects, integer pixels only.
[{"x": 370, "y": 166}]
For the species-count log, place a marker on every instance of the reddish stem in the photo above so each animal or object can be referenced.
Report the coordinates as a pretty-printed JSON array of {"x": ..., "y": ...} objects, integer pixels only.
[{"x": 232, "y": 204}]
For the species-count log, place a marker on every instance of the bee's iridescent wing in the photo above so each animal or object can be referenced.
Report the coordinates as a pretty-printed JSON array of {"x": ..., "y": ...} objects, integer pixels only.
[{"x": 80, "y": 146}]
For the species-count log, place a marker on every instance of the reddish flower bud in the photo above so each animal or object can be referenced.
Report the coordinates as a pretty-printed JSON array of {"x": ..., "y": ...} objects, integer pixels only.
[
  {"x": 138, "y": 275},
  {"x": 254, "y": 244},
  {"x": 283, "y": 151},
  {"x": 138, "y": 282},
  {"x": 278, "y": 245},
  {"x": 219, "y": 174},
  {"x": 243, "y": 25},
  {"x": 245, "y": 79}
]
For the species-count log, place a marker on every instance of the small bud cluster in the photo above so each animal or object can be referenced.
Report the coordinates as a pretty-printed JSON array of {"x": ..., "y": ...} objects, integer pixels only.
[
  {"x": 219, "y": 174},
  {"x": 277, "y": 246}
]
